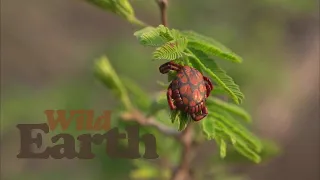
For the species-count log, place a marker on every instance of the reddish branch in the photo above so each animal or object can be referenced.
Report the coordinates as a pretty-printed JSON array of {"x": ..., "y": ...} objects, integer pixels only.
[
  {"x": 163, "y": 4},
  {"x": 183, "y": 171},
  {"x": 138, "y": 117}
]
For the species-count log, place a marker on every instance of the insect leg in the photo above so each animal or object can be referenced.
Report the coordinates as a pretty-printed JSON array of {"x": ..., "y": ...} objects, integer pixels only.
[
  {"x": 166, "y": 67},
  {"x": 169, "y": 98},
  {"x": 208, "y": 90},
  {"x": 209, "y": 85},
  {"x": 200, "y": 116}
]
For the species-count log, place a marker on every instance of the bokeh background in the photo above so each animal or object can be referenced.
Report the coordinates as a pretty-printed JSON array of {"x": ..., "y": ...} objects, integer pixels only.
[{"x": 48, "y": 50}]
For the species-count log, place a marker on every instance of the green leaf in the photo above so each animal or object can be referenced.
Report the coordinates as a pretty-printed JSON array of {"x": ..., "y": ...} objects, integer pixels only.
[
  {"x": 223, "y": 148},
  {"x": 181, "y": 117},
  {"x": 221, "y": 126},
  {"x": 191, "y": 62},
  {"x": 106, "y": 74},
  {"x": 238, "y": 131},
  {"x": 238, "y": 143},
  {"x": 229, "y": 107},
  {"x": 171, "y": 50},
  {"x": 270, "y": 150},
  {"x": 151, "y": 36},
  {"x": 174, "y": 115},
  {"x": 184, "y": 120},
  {"x": 120, "y": 7},
  {"x": 210, "y": 46},
  {"x": 247, "y": 152},
  {"x": 241, "y": 141},
  {"x": 219, "y": 76},
  {"x": 169, "y": 42},
  {"x": 208, "y": 127}
]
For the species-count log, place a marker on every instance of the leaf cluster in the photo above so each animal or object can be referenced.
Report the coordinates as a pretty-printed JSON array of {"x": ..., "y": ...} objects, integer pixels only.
[
  {"x": 193, "y": 49},
  {"x": 120, "y": 7},
  {"x": 198, "y": 51}
]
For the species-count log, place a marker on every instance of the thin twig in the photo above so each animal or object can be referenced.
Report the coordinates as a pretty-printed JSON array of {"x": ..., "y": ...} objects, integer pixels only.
[
  {"x": 183, "y": 171},
  {"x": 138, "y": 117},
  {"x": 163, "y": 4}
]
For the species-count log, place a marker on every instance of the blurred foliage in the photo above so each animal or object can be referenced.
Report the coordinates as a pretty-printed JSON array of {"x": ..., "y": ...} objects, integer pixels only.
[
  {"x": 255, "y": 29},
  {"x": 120, "y": 7},
  {"x": 269, "y": 151},
  {"x": 220, "y": 125}
]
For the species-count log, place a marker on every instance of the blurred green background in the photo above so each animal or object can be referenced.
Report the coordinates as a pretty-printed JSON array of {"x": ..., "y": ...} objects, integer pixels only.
[{"x": 48, "y": 50}]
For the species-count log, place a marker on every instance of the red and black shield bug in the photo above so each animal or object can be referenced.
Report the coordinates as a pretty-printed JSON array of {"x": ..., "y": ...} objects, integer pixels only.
[{"x": 188, "y": 91}]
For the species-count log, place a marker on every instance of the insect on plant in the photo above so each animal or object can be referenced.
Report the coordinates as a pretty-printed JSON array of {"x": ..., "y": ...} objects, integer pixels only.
[
  {"x": 189, "y": 90},
  {"x": 190, "y": 93}
]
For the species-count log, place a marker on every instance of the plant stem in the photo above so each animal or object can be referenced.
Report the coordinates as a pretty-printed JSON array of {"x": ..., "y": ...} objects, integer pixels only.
[
  {"x": 183, "y": 171},
  {"x": 138, "y": 117},
  {"x": 163, "y": 4}
]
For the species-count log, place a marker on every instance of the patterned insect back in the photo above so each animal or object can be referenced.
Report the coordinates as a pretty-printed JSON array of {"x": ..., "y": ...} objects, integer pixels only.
[
  {"x": 190, "y": 84},
  {"x": 188, "y": 90}
]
